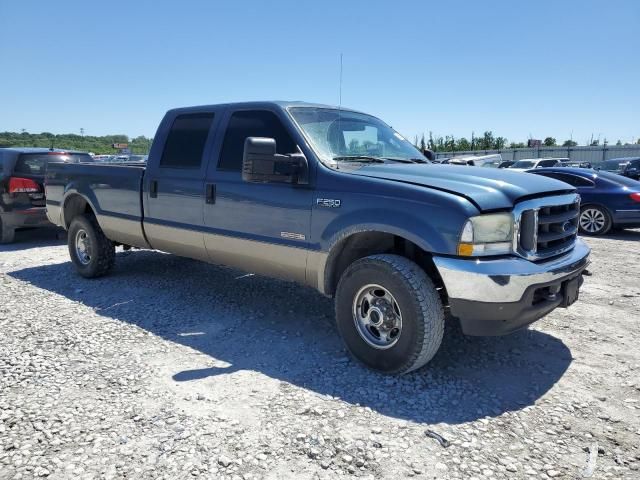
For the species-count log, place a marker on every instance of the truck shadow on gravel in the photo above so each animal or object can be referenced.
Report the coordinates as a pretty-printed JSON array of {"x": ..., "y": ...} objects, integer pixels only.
[{"x": 286, "y": 332}]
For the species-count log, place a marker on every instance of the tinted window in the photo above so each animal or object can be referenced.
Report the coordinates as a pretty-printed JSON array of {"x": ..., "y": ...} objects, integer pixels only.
[
  {"x": 547, "y": 163},
  {"x": 523, "y": 164},
  {"x": 186, "y": 140},
  {"x": 618, "y": 179},
  {"x": 574, "y": 180},
  {"x": 257, "y": 123},
  {"x": 36, "y": 163}
]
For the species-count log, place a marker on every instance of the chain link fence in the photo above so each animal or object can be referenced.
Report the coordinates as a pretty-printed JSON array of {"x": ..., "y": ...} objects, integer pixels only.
[{"x": 594, "y": 155}]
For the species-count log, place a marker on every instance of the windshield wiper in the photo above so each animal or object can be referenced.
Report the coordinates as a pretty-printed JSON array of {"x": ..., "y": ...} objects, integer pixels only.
[
  {"x": 359, "y": 158},
  {"x": 371, "y": 159},
  {"x": 406, "y": 160}
]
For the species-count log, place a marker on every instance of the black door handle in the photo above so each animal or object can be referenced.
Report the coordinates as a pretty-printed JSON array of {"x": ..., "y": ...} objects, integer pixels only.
[
  {"x": 153, "y": 189},
  {"x": 210, "y": 194}
]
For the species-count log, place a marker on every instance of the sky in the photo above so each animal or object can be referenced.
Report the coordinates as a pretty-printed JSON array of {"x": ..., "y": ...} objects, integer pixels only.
[{"x": 520, "y": 69}]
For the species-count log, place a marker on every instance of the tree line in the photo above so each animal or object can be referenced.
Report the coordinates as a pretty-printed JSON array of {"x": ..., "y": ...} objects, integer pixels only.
[
  {"x": 488, "y": 141},
  {"x": 142, "y": 144},
  {"x": 70, "y": 141}
]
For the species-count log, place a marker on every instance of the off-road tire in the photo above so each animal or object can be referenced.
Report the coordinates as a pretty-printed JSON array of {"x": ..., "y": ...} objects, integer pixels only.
[
  {"x": 418, "y": 300},
  {"x": 103, "y": 251}
]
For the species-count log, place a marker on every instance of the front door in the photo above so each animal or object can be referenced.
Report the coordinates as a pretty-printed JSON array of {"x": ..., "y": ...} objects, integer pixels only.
[{"x": 257, "y": 227}]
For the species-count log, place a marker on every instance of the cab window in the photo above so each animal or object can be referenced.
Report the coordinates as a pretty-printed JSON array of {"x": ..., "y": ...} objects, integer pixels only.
[{"x": 186, "y": 140}]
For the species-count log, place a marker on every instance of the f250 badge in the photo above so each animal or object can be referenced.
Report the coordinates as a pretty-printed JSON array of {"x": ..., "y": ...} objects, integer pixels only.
[{"x": 328, "y": 202}]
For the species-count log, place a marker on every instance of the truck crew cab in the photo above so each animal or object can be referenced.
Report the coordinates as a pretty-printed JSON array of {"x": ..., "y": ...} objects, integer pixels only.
[{"x": 338, "y": 200}]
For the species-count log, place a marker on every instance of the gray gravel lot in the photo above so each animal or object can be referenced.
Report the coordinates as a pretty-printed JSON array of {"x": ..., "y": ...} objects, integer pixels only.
[{"x": 171, "y": 368}]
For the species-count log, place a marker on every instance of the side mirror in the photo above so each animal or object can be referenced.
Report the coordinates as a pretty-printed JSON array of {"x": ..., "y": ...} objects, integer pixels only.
[
  {"x": 261, "y": 163},
  {"x": 430, "y": 155}
]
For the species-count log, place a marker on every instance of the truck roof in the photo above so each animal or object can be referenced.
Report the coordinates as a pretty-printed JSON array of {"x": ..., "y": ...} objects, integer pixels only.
[{"x": 284, "y": 104}]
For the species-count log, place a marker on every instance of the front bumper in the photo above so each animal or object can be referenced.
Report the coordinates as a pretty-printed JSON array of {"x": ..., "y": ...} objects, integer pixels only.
[{"x": 499, "y": 296}]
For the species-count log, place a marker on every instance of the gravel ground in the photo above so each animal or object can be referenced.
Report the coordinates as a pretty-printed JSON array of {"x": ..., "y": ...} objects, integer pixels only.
[{"x": 171, "y": 368}]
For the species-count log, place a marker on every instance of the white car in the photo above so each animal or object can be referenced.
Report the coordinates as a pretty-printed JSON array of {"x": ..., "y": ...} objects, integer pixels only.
[{"x": 529, "y": 163}]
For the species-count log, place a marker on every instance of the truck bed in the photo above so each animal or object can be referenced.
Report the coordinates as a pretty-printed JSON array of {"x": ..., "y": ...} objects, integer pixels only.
[{"x": 112, "y": 190}]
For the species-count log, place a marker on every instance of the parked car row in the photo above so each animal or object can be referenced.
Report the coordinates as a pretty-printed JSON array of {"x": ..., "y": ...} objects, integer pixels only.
[
  {"x": 625, "y": 166},
  {"x": 128, "y": 158}
]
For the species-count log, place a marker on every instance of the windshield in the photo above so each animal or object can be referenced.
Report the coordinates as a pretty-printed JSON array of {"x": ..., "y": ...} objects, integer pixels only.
[
  {"x": 523, "y": 164},
  {"x": 337, "y": 135},
  {"x": 614, "y": 165}
]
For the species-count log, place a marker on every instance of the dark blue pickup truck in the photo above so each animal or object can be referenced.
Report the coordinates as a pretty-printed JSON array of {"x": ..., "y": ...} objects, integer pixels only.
[{"x": 337, "y": 200}]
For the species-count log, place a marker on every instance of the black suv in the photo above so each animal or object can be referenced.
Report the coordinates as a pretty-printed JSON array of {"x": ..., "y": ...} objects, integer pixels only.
[
  {"x": 22, "y": 202},
  {"x": 632, "y": 169}
]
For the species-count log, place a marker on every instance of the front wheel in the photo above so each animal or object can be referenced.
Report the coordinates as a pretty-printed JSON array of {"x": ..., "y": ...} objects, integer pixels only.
[
  {"x": 594, "y": 220},
  {"x": 92, "y": 253},
  {"x": 389, "y": 313}
]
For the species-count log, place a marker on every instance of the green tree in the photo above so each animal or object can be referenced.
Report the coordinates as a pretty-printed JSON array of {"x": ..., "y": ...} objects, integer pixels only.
[
  {"x": 486, "y": 142},
  {"x": 423, "y": 145},
  {"x": 463, "y": 144},
  {"x": 549, "y": 142},
  {"x": 500, "y": 143},
  {"x": 570, "y": 143},
  {"x": 517, "y": 145},
  {"x": 102, "y": 144}
]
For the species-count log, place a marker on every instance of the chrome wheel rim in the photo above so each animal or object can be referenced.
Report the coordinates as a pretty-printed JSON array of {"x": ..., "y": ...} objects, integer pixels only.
[
  {"x": 83, "y": 247},
  {"x": 592, "y": 220},
  {"x": 377, "y": 316}
]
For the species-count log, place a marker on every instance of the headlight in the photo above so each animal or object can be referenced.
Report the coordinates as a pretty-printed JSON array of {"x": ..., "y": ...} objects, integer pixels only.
[{"x": 490, "y": 234}]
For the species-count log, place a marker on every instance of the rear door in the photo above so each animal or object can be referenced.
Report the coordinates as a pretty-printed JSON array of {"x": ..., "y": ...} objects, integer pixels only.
[
  {"x": 174, "y": 183},
  {"x": 258, "y": 227}
]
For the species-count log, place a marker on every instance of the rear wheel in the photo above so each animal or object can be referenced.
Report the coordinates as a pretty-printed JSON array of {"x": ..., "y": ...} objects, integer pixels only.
[
  {"x": 594, "y": 220},
  {"x": 92, "y": 253},
  {"x": 7, "y": 234},
  {"x": 389, "y": 313}
]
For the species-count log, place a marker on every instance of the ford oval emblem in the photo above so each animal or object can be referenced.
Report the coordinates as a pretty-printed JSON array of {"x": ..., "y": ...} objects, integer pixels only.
[{"x": 566, "y": 226}]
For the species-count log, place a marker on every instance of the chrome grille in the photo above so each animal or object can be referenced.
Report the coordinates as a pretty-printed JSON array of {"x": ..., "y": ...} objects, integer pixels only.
[{"x": 546, "y": 227}]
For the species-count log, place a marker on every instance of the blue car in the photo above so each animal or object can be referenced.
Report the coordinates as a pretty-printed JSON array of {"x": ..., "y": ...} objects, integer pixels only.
[{"x": 609, "y": 200}]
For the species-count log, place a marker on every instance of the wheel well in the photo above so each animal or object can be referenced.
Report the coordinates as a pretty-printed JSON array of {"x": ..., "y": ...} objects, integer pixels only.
[
  {"x": 73, "y": 206},
  {"x": 363, "y": 244}
]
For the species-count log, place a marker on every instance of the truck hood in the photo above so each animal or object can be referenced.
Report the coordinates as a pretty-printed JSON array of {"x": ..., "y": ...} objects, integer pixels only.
[{"x": 486, "y": 188}]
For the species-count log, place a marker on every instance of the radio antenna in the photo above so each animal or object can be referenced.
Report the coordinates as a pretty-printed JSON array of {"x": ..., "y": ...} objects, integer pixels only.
[
  {"x": 339, "y": 103},
  {"x": 340, "y": 89}
]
